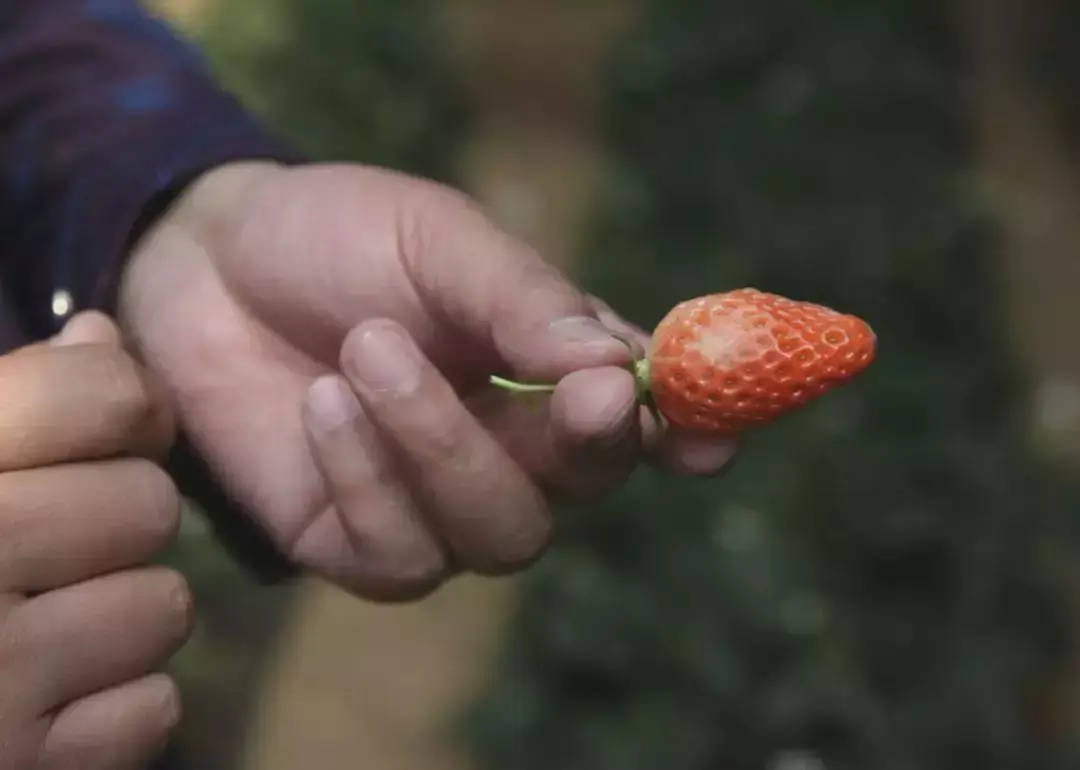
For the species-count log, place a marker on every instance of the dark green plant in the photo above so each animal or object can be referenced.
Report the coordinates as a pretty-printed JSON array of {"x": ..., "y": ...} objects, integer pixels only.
[
  {"x": 344, "y": 79},
  {"x": 1050, "y": 57},
  {"x": 865, "y": 590}
]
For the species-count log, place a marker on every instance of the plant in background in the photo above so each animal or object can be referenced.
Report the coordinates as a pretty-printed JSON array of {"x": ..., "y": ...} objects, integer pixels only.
[
  {"x": 865, "y": 590},
  {"x": 343, "y": 79}
]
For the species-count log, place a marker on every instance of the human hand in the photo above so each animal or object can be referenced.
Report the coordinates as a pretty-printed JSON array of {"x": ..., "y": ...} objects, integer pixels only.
[
  {"x": 328, "y": 332},
  {"x": 83, "y": 507}
]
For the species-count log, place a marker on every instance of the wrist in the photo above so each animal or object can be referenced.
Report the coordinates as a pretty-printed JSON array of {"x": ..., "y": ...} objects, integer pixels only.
[
  {"x": 214, "y": 198},
  {"x": 180, "y": 235}
]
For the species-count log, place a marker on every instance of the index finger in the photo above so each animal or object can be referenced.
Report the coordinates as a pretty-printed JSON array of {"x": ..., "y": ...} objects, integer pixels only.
[
  {"x": 498, "y": 289},
  {"x": 79, "y": 402}
]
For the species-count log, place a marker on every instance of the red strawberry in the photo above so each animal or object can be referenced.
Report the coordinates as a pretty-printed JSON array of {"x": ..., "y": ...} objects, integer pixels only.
[{"x": 725, "y": 362}]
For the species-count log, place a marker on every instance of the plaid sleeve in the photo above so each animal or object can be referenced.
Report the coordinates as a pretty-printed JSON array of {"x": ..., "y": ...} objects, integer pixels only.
[{"x": 104, "y": 113}]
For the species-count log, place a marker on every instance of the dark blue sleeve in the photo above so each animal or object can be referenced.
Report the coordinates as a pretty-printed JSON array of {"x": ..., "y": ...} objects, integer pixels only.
[
  {"x": 104, "y": 113},
  {"x": 105, "y": 116}
]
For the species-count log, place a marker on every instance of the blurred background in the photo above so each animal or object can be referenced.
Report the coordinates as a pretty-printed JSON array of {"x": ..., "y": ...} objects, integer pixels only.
[{"x": 887, "y": 581}]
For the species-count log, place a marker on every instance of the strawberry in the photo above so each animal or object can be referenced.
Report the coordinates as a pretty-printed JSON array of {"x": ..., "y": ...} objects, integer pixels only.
[{"x": 723, "y": 363}]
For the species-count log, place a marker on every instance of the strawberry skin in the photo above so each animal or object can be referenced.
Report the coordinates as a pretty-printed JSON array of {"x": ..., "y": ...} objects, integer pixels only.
[{"x": 726, "y": 362}]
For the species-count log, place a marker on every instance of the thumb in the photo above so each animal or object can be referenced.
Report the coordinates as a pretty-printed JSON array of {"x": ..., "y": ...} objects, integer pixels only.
[{"x": 497, "y": 289}]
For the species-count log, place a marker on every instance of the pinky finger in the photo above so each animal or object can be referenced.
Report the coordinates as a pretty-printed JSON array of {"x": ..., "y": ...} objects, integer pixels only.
[{"x": 123, "y": 728}]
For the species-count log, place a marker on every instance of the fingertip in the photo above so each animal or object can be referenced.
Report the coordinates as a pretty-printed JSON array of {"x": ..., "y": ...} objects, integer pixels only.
[
  {"x": 160, "y": 692},
  {"x": 595, "y": 406},
  {"x": 330, "y": 404},
  {"x": 87, "y": 328},
  {"x": 595, "y": 433},
  {"x": 695, "y": 454}
]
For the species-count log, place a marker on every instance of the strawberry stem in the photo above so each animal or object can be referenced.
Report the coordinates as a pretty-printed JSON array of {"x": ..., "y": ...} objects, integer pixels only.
[
  {"x": 643, "y": 377},
  {"x": 520, "y": 387},
  {"x": 640, "y": 367}
]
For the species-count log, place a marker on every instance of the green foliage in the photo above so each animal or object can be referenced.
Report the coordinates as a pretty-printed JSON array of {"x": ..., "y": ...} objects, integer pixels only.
[
  {"x": 1056, "y": 64},
  {"x": 343, "y": 79},
  {"x": 866, "y": 587}
]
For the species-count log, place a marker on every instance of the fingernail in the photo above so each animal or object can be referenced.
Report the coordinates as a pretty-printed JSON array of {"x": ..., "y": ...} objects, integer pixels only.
[
  {"x": 384, "y": 360},
  {"x": 583, "y": 330},
  {"x": 332, "y": 403}
]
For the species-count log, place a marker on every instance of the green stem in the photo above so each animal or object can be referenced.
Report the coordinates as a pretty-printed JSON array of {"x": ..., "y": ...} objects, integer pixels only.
[
  {"x": 640, "y": 368},
  {"x": 520, "y": 387},
  {"x": 643, "y": 375}
]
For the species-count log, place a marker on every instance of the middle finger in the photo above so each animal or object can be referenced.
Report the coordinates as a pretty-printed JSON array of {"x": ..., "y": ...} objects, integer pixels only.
[{"x": 483, "y": 504}]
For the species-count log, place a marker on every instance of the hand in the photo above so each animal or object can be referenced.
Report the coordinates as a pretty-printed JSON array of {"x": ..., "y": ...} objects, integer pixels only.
[
  {"x": 82, "y": 508},
  {"x": 328, "y": 332}
]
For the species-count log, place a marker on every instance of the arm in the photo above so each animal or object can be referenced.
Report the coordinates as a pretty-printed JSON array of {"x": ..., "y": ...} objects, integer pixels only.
[
  {"x": 105, "y": 116},
  {"x": 322, "y": 328}
]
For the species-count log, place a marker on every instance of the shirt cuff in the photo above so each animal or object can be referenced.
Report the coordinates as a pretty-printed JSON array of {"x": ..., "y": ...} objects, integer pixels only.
[
  {"x": 115, "y": 198},
  {"x": 118, "y": 195}
]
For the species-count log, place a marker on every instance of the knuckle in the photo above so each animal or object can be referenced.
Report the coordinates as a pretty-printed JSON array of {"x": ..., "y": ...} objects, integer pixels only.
[
  {"x": 445, "y": 438},
  {"x": 430, "y": 210},
  {"x": 440, "y": 206},
  {"x": 434, "y": 213},
  {"x": 370, "y": 471}
]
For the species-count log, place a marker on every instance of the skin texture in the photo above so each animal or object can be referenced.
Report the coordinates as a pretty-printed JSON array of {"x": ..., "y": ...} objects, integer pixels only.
[
  {"x": 726, "y": 362},
  {"x": 327, "y": 332},
  {"x": 84, "y": 623}
]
